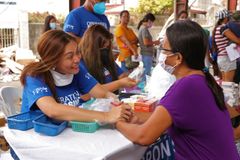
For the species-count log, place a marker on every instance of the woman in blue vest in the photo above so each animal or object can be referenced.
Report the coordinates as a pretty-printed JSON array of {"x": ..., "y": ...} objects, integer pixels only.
[
  {"x": 55, "y": 83},
  {"x": 97, "y": 56}
]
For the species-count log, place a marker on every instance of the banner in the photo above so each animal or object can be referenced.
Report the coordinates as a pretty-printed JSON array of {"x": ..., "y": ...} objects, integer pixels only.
[{"x": 162, "y": 149}]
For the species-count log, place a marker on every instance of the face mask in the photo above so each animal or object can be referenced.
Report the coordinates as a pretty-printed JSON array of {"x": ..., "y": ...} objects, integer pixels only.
[
  {"x": 99, "y": 8},
  {"x": 161, "y": 60},
  {"x": 61, "y": 79},
  {"x": 104, "y": 54},
  {"x": 52, "y": 25}
]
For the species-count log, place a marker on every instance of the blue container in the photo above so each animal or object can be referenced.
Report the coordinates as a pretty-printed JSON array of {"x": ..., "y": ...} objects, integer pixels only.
[
  {"x": 48, "y": 126},
  {"x": 23, "y": 121}
]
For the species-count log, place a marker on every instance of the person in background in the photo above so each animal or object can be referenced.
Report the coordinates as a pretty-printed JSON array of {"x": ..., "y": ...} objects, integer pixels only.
[
  {"x": 221, "y": 37},
  {"x": 234, "y": 26},
  {"x": 50, "y": 23},
  {"x": 79, "y": 19},
  {"x": 127, "y": 42},
  {"x": 97, "y": 56},
  {"x": 55, "y": 83},
  {"x": 183, "y": 15},
  {"x": 146, "y": 43},
  {"x": 198, "y": 122}
]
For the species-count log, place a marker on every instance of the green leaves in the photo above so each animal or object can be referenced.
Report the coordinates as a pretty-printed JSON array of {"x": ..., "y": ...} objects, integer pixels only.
[{"x": 155, "y": 6}]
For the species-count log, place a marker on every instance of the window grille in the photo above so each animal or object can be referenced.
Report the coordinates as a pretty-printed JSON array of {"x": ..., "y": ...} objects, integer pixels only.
[{"x": 8, "y": 37}]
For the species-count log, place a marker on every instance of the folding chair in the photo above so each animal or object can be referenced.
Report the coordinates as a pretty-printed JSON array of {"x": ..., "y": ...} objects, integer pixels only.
[{"x": 11, "y": 97}]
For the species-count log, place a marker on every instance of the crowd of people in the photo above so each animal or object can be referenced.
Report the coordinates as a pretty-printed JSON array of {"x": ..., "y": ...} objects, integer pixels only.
[{"x": 77, "y": 63}]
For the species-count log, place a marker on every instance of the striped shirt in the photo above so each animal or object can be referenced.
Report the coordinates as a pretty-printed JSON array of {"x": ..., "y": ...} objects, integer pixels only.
[{"x": 221, "y": 40}]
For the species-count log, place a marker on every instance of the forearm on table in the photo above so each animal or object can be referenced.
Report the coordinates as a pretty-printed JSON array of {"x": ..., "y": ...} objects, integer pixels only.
[
  {"x": 142, "y": 116},
  {"x": 131, "y": 131},
  {"x": 64, "y": 112}
]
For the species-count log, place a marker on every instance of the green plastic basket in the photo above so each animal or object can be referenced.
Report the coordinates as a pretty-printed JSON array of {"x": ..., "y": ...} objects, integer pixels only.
[{"x": 87, "y": 127}]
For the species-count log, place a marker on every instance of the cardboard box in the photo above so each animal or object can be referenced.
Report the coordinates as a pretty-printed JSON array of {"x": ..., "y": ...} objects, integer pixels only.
[{"x": 145, "y": 105}]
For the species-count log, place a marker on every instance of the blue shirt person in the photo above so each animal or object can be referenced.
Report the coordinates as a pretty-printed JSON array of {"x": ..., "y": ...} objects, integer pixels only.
[
  {"x": 55, "y": 83},
  {"x": 70, "y": 94},
  {"x": 96, "y": 49},
  {"x": 79, "y": 19}
]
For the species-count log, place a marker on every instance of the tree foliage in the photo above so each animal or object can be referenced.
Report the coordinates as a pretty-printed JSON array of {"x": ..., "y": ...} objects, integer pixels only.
[
  {"x": 37, "y": 17},
  {"x": 155, "y": 6}
]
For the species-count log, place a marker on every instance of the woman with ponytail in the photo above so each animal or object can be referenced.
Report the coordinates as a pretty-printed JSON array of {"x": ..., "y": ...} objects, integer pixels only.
[
  {"x": 146, "y": 43},
  {"x": 221, "y": 37},
  {"x": 192, "y": 111}
]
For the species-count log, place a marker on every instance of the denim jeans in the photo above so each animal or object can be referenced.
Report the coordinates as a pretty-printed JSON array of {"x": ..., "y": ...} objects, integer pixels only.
[{"x": 147, "y": 65}]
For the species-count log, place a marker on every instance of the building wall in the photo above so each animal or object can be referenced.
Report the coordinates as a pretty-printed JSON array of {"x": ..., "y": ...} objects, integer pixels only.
[{"x": 35, "y": 30}]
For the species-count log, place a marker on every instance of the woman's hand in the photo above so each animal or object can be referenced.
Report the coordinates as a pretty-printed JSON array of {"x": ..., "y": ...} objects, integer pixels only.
[
  {"x": 128, "y": 82},
  {"x": 117, "y": 113},
  {"x": 157, "y": 42},
  {"x": 134, "y": 119},
  {"x": 127, "y": 113}
]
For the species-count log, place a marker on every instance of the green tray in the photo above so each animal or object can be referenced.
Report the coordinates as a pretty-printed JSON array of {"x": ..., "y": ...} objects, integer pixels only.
[{"x": 87, "y": 127}]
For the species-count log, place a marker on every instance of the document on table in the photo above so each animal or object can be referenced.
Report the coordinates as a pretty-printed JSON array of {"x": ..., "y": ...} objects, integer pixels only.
[{"x": 232, "y": 52}]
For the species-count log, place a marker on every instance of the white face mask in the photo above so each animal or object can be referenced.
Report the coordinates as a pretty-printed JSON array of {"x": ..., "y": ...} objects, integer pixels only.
[
  {"x": 161, "y": 60},
  {"x": 61, "y": 79}
]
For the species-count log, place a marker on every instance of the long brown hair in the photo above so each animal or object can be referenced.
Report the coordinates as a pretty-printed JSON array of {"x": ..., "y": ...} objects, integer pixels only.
[
  {"x": 91, "y": 43},
  {"x": 51, "y": 46},
  {"x": 47, "y": 22}
]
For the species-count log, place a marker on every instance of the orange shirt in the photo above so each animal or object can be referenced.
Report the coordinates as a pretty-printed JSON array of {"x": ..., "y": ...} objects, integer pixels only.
[{"x": 128, "y": 33}]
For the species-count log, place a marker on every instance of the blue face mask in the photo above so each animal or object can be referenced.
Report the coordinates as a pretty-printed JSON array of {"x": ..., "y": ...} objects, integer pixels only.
[
  {"x": 99, "y": 8},
  {"x": 52, "y": 25}
]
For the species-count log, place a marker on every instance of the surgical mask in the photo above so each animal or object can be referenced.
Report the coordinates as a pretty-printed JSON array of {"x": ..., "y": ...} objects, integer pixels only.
[
  {"x": 162, "y": 59},
  {"x": 52, "y": 25},
  {"x": 104, "y": 54},
  {"x": 61, "y": 79},
  {"x": 99, "y": 8}
]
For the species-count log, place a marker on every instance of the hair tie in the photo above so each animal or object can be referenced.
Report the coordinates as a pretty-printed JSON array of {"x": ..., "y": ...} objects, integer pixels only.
[{"x": 205, "y": 69}]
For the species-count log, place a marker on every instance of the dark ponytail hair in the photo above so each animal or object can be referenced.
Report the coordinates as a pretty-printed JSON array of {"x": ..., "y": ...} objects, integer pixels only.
[
  {"x": 189, "y": 39},
  {"x": 147, "y": 17}
]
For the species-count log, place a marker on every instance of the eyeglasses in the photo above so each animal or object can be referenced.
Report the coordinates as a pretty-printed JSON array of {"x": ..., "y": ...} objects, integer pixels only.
[{"x": 164, "y": 49}]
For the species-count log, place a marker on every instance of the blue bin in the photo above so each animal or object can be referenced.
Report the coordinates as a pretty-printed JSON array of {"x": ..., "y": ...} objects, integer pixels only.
[
  {"x": 23, "y": 121},
  {"x": 48, "y": 126}
]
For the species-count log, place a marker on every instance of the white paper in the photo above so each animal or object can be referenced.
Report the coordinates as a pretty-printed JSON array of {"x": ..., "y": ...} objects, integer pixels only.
[
  {"x": 232, "y": 52},
  {"x": 138, "y": 59}
]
